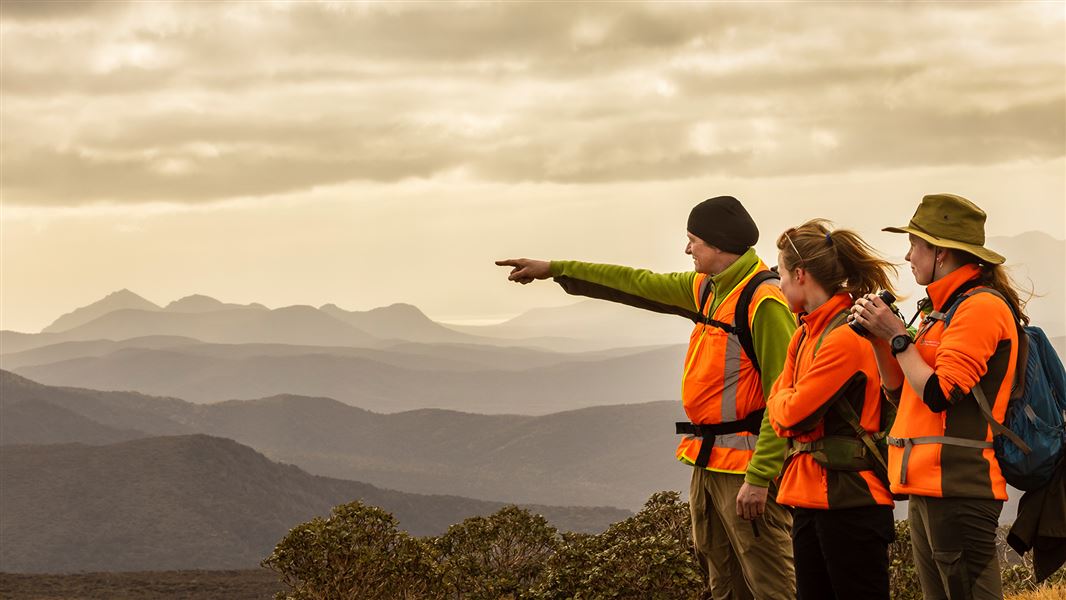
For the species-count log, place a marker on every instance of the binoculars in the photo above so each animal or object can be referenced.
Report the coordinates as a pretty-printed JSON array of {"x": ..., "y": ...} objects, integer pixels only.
[{"x": 886, "y": 297}]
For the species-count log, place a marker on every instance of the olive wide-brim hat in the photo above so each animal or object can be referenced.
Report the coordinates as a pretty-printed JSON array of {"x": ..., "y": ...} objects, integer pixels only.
[{"x": 951, "y": 221}]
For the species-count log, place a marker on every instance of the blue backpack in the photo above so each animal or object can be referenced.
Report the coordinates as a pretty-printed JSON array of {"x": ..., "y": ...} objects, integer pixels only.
[{"x": 1030, "y": 442}]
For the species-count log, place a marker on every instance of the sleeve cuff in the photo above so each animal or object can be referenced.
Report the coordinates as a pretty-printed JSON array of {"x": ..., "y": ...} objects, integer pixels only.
[
  {"x": 756, "y": 480},
  {"x": 933, "y": 396}
]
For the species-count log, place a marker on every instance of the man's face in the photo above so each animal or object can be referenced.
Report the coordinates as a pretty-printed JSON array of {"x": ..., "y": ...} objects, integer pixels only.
[{"x": 705, "y": 258}]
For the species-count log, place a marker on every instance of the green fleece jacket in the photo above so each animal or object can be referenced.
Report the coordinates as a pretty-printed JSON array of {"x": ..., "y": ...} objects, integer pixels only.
[{"x": 772, "y": 325}]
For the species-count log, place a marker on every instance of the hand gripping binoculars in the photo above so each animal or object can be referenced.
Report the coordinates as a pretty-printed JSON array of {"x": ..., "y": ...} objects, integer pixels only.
[{"x": 886, "y": 297}]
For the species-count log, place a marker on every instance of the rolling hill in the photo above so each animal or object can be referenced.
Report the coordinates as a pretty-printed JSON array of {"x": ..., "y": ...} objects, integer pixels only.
[
  {"x": 432, "y": 357},
  {"x": 616, "y": 455},
  {"x": 382, "y": 382},
  {"x": 189, "y": 502}
]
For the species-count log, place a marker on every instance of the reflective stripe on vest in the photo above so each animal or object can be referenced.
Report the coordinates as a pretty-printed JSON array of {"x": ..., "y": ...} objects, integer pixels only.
[
  {"x": 736, "y": 441},
  {"x": 733, "y": 441},
  {"x": 731, "y": 376},
  {"x": 720, "y": 384}
]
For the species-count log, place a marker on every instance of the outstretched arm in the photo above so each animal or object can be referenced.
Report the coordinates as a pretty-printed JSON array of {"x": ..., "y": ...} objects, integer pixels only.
[
  {"x": 670, "y": 293},
  {"x": 526, "y": 269}
]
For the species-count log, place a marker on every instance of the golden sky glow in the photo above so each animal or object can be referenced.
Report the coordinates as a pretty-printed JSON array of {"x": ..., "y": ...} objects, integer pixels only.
[{"x": 370, "y": 153}]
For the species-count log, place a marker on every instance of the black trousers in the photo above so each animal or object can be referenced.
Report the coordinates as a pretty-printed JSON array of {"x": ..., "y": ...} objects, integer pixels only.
[{"x": 842, "y": 554}]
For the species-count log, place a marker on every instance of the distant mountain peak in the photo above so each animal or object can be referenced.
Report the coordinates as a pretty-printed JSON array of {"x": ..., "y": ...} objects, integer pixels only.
[
  {"x": 399, "y": 308},
  {"x": 199, "y": 303},
  {"x": 395, "y": 306},
  {"x": 195, "y": 303},
  {"x": 124, "y": 295},
  {"x": 120, "y": 300},
  {"x": 398, "y": 321}
]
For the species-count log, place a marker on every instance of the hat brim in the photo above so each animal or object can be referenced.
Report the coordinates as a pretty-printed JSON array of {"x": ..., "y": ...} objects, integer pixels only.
[{"x": 981, "y": 252}]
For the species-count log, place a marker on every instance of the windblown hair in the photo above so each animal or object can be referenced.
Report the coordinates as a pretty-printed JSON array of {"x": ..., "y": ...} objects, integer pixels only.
[
  {"x": 838, "y": 259},
  {"x": 997, "y": 278}
]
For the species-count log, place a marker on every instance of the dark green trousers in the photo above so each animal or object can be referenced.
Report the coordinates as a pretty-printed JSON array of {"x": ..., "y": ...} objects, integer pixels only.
[{"x": 954, "y": 544}]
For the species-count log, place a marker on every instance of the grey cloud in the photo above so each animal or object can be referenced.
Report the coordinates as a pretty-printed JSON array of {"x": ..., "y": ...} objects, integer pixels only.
[
  {"x": 447, "y": 32},
  {"x": 315, "y": 95},
  {"x": 907, "y": 137},
  {"x": 20, "y": 81},
  {"x": 66, "y": 178},
  {"x": 57, "y": 10},
  {"x": 795, "y": 79},
  {"x": 286, "y": 156},
  {"x": 441, "y": 40}
]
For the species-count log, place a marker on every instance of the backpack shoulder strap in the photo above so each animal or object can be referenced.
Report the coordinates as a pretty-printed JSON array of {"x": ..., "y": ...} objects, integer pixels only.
[
  {"x": 969, "y": 289},
  {"x": 997, "y": 427},
  {"x": 741, "y": 320},
  {"x": 1019, "y": 371},
  {"x": 705, "y": 294},
  {"x": 844, "y": 409},
  {"x": 836, "y": 321}
]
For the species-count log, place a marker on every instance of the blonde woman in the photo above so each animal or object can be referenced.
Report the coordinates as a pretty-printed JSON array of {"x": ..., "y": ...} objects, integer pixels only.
[{"x": 828, "y": 391}]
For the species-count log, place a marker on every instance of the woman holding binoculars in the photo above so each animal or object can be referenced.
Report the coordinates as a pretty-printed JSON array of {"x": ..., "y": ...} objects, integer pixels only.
[
  {"x": 956, "y": 377},
  {"x": 827, "y": 403}
]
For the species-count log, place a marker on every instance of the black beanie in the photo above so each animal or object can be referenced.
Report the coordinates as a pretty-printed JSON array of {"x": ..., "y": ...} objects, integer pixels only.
[{"x": 723, "y": 223}]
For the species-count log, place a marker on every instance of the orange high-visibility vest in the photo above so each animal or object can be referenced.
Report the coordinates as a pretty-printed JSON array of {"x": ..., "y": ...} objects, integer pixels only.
[
  {"x": 979, "y": 348},
  {"x": 720, "y": 384},
  {"x": 841, "y": 369}
]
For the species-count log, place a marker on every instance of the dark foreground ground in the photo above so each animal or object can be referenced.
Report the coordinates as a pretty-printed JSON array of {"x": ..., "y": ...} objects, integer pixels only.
[{"x": 166, "y": 585}]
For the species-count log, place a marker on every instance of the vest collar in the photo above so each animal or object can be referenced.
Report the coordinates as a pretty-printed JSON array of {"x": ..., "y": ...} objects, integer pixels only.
[
  {"x": 940, "y": 290},
  {"x": 818, "y": 320},
  {"x": 727, "y": 280}
]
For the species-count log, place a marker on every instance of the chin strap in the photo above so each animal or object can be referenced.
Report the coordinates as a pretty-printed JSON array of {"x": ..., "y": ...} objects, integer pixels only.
[{"x": 922, "y": 305}]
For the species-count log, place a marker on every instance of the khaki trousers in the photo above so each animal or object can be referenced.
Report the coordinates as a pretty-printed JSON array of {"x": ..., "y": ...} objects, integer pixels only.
[
  {"x": 954, "y": 545},
  {"x": 739, "y": 565}
]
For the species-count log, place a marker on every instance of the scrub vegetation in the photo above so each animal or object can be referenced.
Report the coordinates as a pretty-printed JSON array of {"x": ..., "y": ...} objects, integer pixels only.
[
  {"x": 514, "y": 554},
  {"x": 358, "y": 552}
]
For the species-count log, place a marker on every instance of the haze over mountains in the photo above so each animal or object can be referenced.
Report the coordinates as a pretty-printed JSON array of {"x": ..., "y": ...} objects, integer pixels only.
[
  {"x": 394, "y": 358},
  {"x": 122, "y": 481},
  {"x": 123, "y": 315},
  {"x": 569, "y": 406},
  {"x": 188, "y": 502},
  {"x": 387, "y": 381},
  {"x": 219, "y": 352},
  {"x": 610, "y": 455}
]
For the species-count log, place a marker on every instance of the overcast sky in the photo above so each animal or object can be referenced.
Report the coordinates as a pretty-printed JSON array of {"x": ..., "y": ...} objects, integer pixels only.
[{"x": 369, "y": 153}]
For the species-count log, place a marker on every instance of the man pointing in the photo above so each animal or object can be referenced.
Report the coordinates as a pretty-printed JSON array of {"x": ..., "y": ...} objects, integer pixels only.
[{"x": 736, "y": 351}]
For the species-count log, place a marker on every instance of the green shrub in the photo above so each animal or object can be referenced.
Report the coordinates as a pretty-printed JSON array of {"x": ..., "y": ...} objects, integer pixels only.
[
  {"x": 1018, "y": 579},
  {"x": 486, "y": 558},
  {"x": 902, "y": 574},
  {"x": 647, "y": 556},
  {"x": 357, "y": 553}
]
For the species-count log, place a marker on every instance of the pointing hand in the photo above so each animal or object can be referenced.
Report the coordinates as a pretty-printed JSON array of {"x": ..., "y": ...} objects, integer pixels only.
[{"x": 526, "y": 270}]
